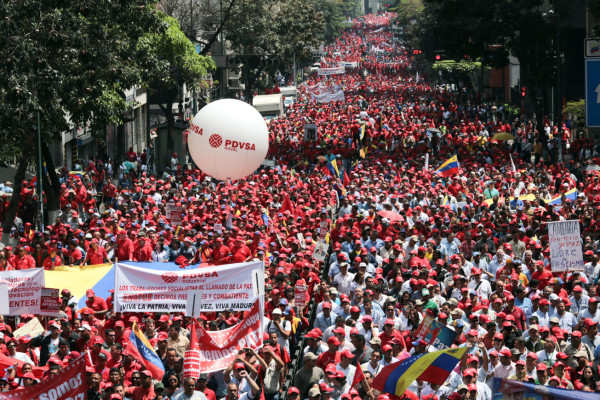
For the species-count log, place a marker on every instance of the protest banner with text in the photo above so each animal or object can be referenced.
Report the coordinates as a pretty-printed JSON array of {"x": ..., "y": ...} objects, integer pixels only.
[
  {"x": 69, "y": 384},
  {"x": 219, "y": 288},
  {"x": 565, "y": 246},
  {"x": 24, "y": 290},
  {"x": 217, "y": 349}
]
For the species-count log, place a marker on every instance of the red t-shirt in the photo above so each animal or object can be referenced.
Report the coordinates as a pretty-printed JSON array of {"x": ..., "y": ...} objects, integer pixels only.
[
  {"x": 327, "y": 358},
  {"x": 96, "y": 256},
  {"x": 385, "y": 338},
  {"x": 98, "y": 304},
  {"x": 210, "y": 395},
  {"x": 50, "y": 263},
  {"x": 139, "y": 393}
]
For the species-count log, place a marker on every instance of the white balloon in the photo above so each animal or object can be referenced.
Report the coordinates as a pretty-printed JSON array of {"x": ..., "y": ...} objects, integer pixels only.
[{"x": 228, "y": 139}]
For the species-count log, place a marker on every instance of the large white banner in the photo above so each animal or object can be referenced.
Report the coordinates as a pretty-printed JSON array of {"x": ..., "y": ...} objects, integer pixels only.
[
  {"x": 565, "y": 246},
  {"x": 24, "y": 290},
  {"x": 220, "y": 287},
  {"x": 327, "y": 97},
  {"x": 331, "y": 71}
]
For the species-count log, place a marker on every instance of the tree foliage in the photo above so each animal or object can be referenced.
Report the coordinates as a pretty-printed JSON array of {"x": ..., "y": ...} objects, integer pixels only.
[
  {"x": 267, "y": 35},
  {"x": 576, "y": 109},
  {"x": 407, "y": 10},
  {"x": 71, "y": 63},
  {"x": 490, "y": 31}
]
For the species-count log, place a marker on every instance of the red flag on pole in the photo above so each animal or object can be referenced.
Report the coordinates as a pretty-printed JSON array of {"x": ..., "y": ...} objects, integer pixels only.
[
  {"x": 358, "y": 376},
  {"x": 287, "y": 205}
]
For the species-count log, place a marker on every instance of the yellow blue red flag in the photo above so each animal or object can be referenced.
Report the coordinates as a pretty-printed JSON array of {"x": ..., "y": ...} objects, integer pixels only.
[
  {"x": 449, "y": 167},
  {"x": 570, "y": 195},
  {"x": 429, "y": 367},
  {"x": 142, "y": 351}
]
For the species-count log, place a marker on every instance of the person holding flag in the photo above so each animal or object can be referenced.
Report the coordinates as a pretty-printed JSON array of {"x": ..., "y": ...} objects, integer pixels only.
[
  {"x": 140, "y": 349},
  {"x": 450, "y": 167}
]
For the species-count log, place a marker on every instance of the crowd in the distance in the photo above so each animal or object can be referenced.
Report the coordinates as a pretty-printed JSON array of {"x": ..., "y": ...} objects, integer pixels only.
[{"x": 403, "y": 240}]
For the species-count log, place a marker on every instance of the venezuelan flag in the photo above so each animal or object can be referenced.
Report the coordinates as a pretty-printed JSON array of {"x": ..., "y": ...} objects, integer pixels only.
[
  {"x": 570, "y": 195},
  {"x": 142, "y": 351},
  {"x": 265, "y": 218},
  {"x": 333, "y": 168},
  {"x": 430, "y": 367},
  {"x": 448, "y": 168},
  {"x": 446, "y": 201}
]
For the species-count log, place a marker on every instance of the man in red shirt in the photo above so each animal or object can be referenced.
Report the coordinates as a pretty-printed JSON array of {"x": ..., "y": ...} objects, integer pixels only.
[
  {"x": 241, "y": 252},
  {"x": 96, "y": 303},
  {"x": 52, "y": 260},
  {"x": 145, "y": 391},
  {"x": 75, "y": 255},
  {"x": 515, "y": 311},
  {"x": 541, "y": 274},
  {"x": 96, "y": 254},
  {"x": 108, "y": 192},
  {"x": 124, "y": 247},
  {"x": 85, "y": 341},
  {"x": 332, "y": 355},
  {"x": 142, "y": 250},
  {"x": 22, "y": 260},
  {"x": 221, "y": 252},
  {"x": 389, "y": 333},
  {"x": 201, "y": 386}
]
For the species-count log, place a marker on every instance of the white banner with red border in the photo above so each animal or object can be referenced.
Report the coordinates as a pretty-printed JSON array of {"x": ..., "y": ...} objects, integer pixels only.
[
  {"x": 217, "y": 349},
  {"x": 219, "y": 287}
]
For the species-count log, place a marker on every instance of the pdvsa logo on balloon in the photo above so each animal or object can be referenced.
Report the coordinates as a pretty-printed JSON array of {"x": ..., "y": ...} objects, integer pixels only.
[
  {"x": 215, "y": 140},
  {"x": 234, "y": 145}
]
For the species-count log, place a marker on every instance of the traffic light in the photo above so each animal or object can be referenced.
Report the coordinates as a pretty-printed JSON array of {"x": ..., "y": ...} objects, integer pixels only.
[
  {"x": 439, "y": 55},
  {"x": 523, "y": 92}
]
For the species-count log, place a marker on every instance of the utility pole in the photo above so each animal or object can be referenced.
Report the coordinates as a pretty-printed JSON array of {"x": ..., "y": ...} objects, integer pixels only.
[{"x": 40, "y": 175}]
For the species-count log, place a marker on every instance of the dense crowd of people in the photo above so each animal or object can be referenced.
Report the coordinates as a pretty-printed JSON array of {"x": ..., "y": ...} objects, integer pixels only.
[{"x": 471, "y": 250}]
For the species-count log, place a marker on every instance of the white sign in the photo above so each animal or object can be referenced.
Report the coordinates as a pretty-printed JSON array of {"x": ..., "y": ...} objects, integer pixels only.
[
  {"x": 31, "y": 329},
  {"x": 320, "y": 252},
  {"x": 592, "y": 47},
  {"x": 301, "y": 240},
  {"x": 24, "y": 290},
  {"x": 218, "y": 288},
  {"x": 4, "y": 308},
  {"x": 218, "y": 228},
  {"x": 327, "y": 97},
  {"x": 331, "y": 71},
  {"x": 173, "y": 212},
  {"x": 565, "y": 246}
]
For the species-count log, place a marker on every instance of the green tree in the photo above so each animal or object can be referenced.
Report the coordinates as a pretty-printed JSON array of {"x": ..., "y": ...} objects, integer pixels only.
[
  {"x": 71, "y": 63},
  {"x": 267, "y": 35}
]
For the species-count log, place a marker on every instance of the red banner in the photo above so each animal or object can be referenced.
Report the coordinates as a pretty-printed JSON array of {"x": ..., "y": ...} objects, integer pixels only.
[
  {"x": 69, "y": 384},
  {"x": 219, "y": 348}
]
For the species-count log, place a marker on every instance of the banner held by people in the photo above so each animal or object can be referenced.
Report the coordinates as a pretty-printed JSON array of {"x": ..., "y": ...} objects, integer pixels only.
[
  {"x": 219, "y": 348},
  {"x": 69, "y": 384},
  {"x": 220, "y": 287},
  {"x": 435, "y": 333}
]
